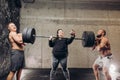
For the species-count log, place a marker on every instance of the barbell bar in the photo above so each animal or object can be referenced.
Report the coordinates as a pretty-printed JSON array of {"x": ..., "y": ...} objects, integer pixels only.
[
  {"x": 29, "y": 36},
  {"x": 55, "y": 37}
]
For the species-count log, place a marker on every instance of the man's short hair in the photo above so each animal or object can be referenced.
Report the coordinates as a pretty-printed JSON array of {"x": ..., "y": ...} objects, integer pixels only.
[{"x": 104, "y": 32}]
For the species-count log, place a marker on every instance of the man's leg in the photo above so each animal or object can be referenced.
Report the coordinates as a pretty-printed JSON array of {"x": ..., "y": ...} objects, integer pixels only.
[
  {"x": 18, "y": 75},
  {"x": 10, "y": 75},
  {"x": 106, "y": 65},
  {"x": 55, "y": 63},
  {"x": 22, "y": 64},
  {"x": 63, "y": 63},
  {"x": 96, "y": 71},
  {"x": 106, "y": 73}
]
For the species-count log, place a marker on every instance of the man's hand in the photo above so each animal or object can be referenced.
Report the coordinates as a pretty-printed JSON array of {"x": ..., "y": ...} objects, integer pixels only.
[
  {"x": 72, "y": 32},
  {"x": 97, "y": 41},
  {"x": 50, "y": 37},
  {"x": 19, "y": 35}
]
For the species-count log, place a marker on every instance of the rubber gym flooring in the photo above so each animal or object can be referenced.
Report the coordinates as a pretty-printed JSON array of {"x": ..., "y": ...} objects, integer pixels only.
[{"x": 43, "y": 74}]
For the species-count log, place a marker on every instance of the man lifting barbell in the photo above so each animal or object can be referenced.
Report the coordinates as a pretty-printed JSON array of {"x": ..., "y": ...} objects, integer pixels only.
[
  {"x": 102, "y": 44},
  {"x": 17, "y": 52},
  {"x": 29, "y": 36},
  {"x": 60, "y": 52}
]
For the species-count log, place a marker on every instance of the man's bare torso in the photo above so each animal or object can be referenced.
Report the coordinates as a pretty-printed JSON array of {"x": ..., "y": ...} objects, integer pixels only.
[
  {"x": 14, "y": 44},
  {"x": 106, "y": 50}
]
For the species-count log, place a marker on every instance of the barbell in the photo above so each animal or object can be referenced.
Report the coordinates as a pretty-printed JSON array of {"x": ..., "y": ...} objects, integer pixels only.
[{"x": 29, "y": 36}]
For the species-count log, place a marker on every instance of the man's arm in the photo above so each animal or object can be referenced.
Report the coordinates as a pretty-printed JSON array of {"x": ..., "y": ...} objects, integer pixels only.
[
  {"x": 70, "y": 40},
  {"x": 17, "y": 37},
  {"x": 97, "y": 42},
  {"x": 102, "y": 44},
  {"x": 51, "y": 42}
]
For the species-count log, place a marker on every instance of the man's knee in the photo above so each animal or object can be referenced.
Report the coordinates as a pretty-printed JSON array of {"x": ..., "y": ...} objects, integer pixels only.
[
  {"x": 105, "y": 71},
  {"x": 10, "y": 76},
  {"x": 107, "y": 75},
  {"x": 95, "y": 67}
]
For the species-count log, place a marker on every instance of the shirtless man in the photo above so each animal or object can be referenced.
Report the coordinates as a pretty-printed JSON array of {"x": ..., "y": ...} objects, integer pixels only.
[
  {"x": 103, "y": 46},
  {"x": 17, "y": 52}
]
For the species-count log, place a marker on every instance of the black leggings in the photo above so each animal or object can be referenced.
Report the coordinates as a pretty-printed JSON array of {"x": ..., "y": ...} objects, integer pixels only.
[{"x": 63, "y": 63}]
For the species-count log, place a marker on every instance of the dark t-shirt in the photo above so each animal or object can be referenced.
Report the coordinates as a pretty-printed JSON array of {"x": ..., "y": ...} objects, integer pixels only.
[{"x": 60, "y": 46}]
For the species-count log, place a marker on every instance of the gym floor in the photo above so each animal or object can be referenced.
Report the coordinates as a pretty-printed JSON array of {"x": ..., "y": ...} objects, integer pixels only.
[
  {"x": 75, "y": 74},
  {"x": 43, "y": 74}
]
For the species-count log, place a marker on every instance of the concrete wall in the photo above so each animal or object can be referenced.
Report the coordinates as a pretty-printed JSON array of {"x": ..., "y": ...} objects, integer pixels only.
[{"x": 46, "y": 16}]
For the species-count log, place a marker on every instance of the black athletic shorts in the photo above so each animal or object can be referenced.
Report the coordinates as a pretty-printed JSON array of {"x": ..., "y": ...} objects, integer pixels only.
[{"x": 17, "y": 60}]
